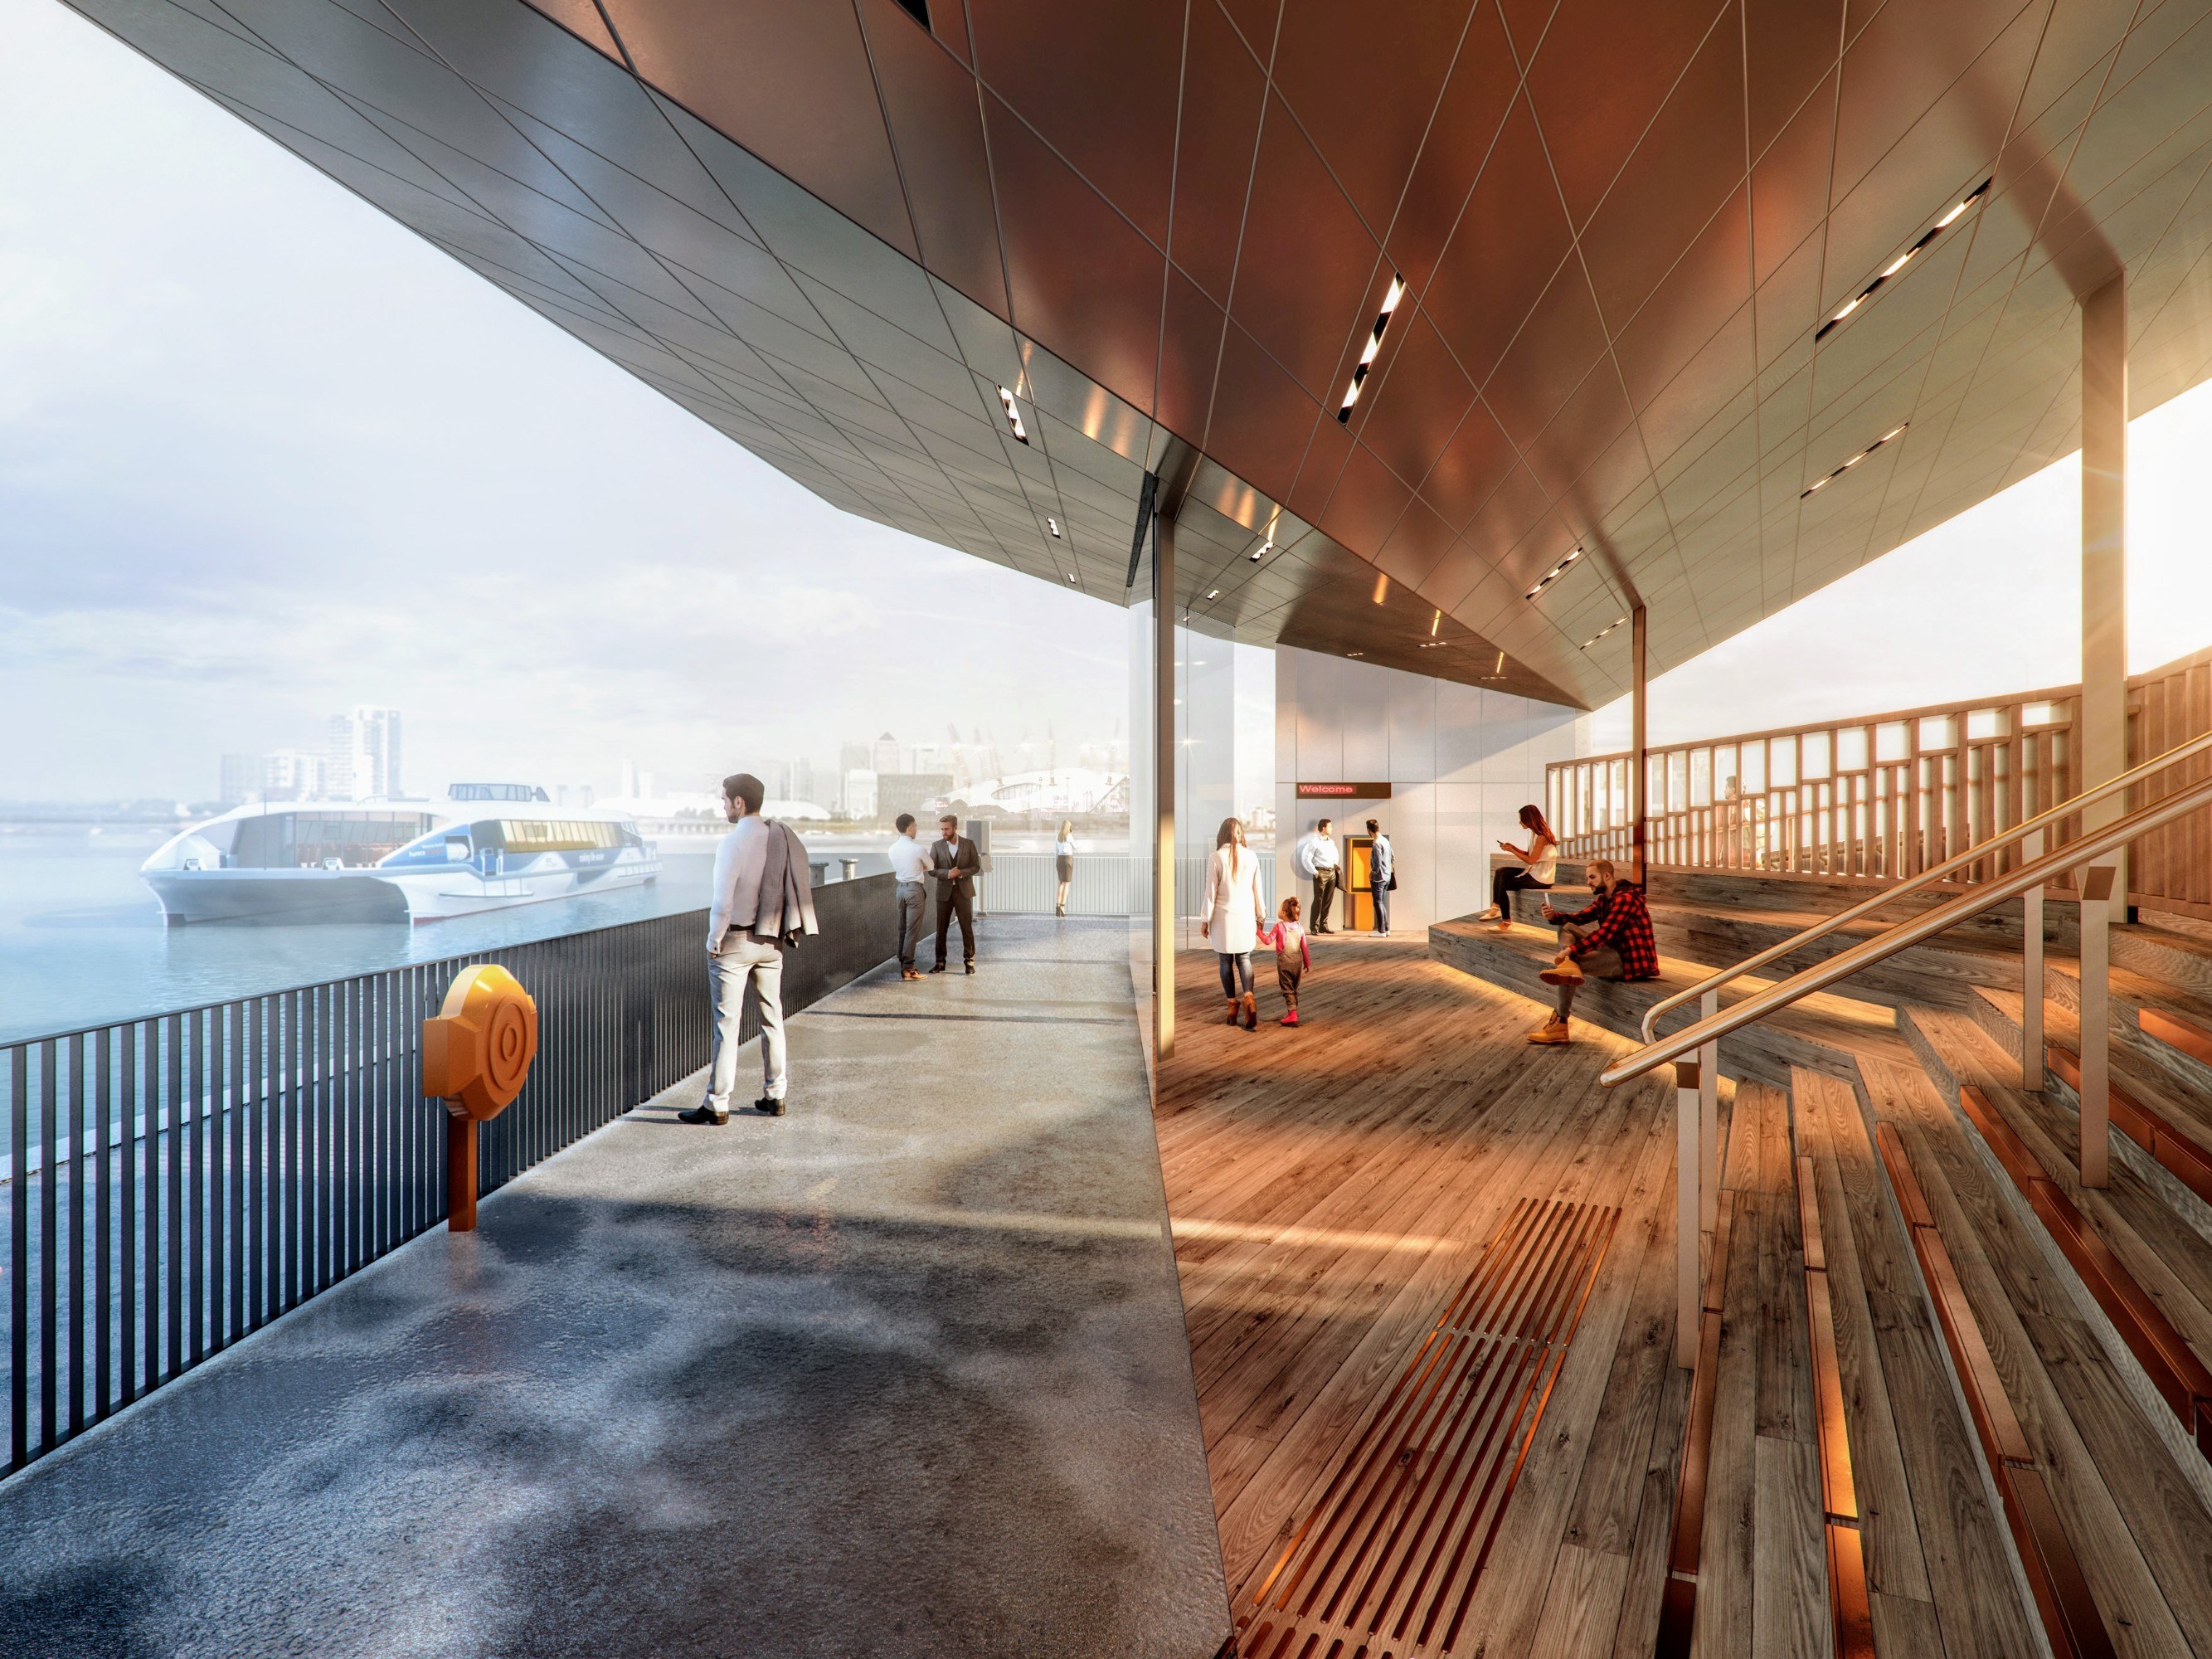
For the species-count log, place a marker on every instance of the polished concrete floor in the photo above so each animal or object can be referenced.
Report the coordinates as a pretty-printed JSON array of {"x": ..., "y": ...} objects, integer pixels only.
[{"x": 904, "y": 1373}]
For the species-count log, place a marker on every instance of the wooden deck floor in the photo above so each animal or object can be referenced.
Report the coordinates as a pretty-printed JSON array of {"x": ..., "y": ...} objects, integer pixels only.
[{"x": 1345, "y": 1196}]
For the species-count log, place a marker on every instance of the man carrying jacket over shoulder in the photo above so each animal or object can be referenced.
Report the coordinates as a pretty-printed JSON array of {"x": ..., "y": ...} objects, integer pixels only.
[{"x": 763, "y": 900}]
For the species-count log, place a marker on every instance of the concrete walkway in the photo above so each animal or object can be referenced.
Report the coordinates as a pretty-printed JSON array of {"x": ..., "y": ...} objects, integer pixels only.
[{"x": 904, "y": 1373}]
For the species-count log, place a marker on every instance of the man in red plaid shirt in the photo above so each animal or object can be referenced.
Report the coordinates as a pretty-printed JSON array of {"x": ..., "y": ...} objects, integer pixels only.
[{"x": 1612, "y": 939}]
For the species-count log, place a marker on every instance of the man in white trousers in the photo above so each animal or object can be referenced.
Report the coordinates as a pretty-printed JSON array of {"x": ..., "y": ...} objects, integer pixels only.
[{"x": 763, "y": 898}]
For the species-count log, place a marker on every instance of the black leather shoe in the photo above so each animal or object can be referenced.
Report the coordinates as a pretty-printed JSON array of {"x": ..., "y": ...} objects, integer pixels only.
[
  {"x": 702, "y": 1113},
  {"x": 769, "y": 1107},
  {"x": 938, "y": 969},
  {"x": 968, "y": 967}
]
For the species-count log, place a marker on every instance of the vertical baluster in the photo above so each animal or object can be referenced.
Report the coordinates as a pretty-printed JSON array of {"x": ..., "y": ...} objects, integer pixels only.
[
  {"x": 350, "y": 1150},
  {"x": 19, "y": 1257},
  {"x": 49, "y": 1246},
  {"x": 295, "y": 1071},
  {"x": 103, "y": 1263},
  {"x": 173, "y": 1150},
  {"x": 257, "y": 1060},
  {"x": 239, "y": 1084},
  {"x": 80, "y": 1303},
  {"x": 324, "y": 1256},
  {"x": 127, "y": 1105},
  {"x": 196, "y": 1120}
]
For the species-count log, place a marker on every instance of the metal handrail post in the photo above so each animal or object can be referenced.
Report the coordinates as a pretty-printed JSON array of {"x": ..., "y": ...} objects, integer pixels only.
[
  {"x": 2031, "y": 972},
  {"x": 1688, "y": 1234},
  {"x": 1709, "y": 1139},
  {"x": 2096, "y": 961}
]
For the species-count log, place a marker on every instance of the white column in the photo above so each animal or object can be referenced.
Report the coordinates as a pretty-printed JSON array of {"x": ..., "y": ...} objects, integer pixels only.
[{"x": 1165, "y": 757}]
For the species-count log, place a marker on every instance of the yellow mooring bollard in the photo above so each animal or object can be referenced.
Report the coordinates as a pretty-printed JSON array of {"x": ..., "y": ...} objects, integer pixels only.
[{"x": 475, "y": 1057}]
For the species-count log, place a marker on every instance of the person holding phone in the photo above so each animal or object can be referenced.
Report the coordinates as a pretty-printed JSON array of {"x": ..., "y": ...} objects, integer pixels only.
[{"x": 1540, "y": 866}]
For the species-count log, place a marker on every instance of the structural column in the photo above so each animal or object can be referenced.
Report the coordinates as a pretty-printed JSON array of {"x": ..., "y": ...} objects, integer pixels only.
[
  {"x": 2103, "y": 721},
  {"x": 1638, "y": 807},
  {"x": 1164, "y": 756},
  {"x": 2103, "y": 724}
]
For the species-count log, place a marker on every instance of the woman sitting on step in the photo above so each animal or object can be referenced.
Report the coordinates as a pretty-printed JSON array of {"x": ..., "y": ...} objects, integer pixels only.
[
  {"x": 1611, "y": 939},
  {"x": 1539, "y": 863}
]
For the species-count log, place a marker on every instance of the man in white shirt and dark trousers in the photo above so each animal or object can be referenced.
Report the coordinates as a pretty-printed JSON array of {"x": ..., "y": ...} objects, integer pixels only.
[
  {"x": 763, "y": 898},
  {"x": 1315, "y": 859},
  {"x": 910, "y": 872},
  {"x": 1381, "y": 875}
]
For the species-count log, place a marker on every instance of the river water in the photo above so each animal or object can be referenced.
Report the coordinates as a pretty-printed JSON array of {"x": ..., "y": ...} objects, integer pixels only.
[{"x": 82, "y": 942}]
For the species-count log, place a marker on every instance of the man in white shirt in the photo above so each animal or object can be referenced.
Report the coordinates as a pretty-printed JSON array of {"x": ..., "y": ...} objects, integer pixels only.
[
  {"x": 910, "y": 872},
  {"x": 736, "y": 958},
  {"x": 1316, "y": 859}
]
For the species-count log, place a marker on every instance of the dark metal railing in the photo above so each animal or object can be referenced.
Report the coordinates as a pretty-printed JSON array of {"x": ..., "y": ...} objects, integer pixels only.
[{"x": 173, "y": 1183}]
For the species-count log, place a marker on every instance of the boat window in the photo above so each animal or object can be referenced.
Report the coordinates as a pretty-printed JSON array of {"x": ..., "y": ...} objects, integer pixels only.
[
  {"x": 309, "y": 840},
  {"x": 558, "y": 835}
]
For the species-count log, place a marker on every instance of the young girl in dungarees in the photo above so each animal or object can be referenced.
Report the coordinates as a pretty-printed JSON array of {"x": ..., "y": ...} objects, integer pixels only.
[{"x": 1292, "y": 957}]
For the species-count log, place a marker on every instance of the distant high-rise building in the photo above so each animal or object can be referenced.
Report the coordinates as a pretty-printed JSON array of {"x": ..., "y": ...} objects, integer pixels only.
[
  {"x": 803, "y": 785},
  {"x": 885, "y": 757},
  {"x": 293, "y": 774},
  {"x": 775, "y": 779},
  {"x": 860, "y": 793},
  {"x": 855, "y": 758},
  {"x": 574, "y": 794},
  {"x": 627, "y": 789},
  {"x": 241, "y": 779},
  {"x": 364, "y": 753}
]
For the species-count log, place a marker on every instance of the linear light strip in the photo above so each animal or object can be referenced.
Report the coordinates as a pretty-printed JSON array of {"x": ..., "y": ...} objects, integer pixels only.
[
  {"x": 1555, "y": 573},
  {"x": 1822, "y": 483},
  {"x": 1904, "y": 259},
  {"x": 1374, "y": 346},
  {"x": 1602, "y": 632},
  {"x": 1013, "y": 415}
]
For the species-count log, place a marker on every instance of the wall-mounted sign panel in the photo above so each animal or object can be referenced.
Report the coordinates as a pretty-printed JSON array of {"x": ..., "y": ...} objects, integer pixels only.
[{"x": 1344, "y": 791}]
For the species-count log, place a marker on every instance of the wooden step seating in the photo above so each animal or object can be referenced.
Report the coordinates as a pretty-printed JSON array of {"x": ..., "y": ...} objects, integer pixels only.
[
  {"x": 2150, "y": 1273},
  {"x": 2104, "y": 1447},
  {"x": 1746, "y": 1561},
  {"x": 2171, "y": 1127},
  {"x": 1938, "y": 1572},
  {"x": 2155, "y": 1020},
  {"x": 2071, "y": 1619},
  {"x": 1825, "y": 1032}
]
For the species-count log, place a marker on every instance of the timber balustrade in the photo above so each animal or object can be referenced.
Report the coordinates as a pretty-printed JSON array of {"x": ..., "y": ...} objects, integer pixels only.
[{"x": 1890, "y": 795}]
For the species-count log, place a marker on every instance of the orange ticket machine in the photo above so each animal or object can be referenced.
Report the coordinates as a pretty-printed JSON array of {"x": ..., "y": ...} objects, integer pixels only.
[{"x": 1358, "y": 877}]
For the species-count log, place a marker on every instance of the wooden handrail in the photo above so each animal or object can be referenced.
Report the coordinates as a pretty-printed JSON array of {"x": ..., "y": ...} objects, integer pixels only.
[
  {"x": 1903, "y": 935},
  {"x": 1929, "y": 877}
]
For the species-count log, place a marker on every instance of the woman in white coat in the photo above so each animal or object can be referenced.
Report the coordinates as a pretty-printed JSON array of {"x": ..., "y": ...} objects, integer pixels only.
[{"x": 1234, "y": 917}]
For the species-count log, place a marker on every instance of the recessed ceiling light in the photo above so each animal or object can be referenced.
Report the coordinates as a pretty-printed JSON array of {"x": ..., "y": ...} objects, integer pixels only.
[
  {"x": 1013, "y": 415},
  {"x": 1897, "y": 431},
  {"x": 1553, "y": 573},
  {"x": 1053, "y": 524},
  {"x": 1215, "y": 594},
  {"x": 1071, "y": 575},
  {"x": 1374, "y": 346},
  {"x": 1355, "y": 654},
  {"x": 1904, "y": 259},
  {"x": 1263, "y": 550}
]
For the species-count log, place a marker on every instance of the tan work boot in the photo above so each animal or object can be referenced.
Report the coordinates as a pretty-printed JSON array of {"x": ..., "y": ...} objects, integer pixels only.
[
  {"x": 1563, "y": 973},
  {"x": 1551, "y": 1031}
]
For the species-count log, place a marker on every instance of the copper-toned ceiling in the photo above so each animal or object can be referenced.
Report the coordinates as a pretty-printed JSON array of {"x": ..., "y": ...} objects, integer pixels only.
[{"x": 1620, "y": 224}]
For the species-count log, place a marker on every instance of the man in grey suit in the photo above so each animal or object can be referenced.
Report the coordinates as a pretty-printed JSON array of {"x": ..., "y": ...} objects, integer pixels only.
[{"x": 953, "y": 865}]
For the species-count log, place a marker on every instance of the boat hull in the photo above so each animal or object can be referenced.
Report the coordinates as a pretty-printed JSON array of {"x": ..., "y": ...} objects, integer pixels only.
[{"x": 275, "y": 897}]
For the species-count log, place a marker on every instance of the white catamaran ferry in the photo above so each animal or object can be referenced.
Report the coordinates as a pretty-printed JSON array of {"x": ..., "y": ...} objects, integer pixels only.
[{"x": 483, "y": 846}]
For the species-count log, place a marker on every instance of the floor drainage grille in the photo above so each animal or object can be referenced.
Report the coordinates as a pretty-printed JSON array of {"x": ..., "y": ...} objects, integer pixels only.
[{"x": 1385, "y": 1565}]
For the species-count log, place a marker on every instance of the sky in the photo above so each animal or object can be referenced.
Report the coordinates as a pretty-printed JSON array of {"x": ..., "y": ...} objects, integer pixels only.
[{"x": 266, "y": 455}]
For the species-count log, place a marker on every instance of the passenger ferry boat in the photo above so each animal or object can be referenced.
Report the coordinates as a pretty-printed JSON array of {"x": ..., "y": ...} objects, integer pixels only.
[{"x": 483, "y": 846}]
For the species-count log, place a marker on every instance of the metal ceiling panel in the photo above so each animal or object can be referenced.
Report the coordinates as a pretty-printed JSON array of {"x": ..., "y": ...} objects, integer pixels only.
[{"x": 835, "y": 232}]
